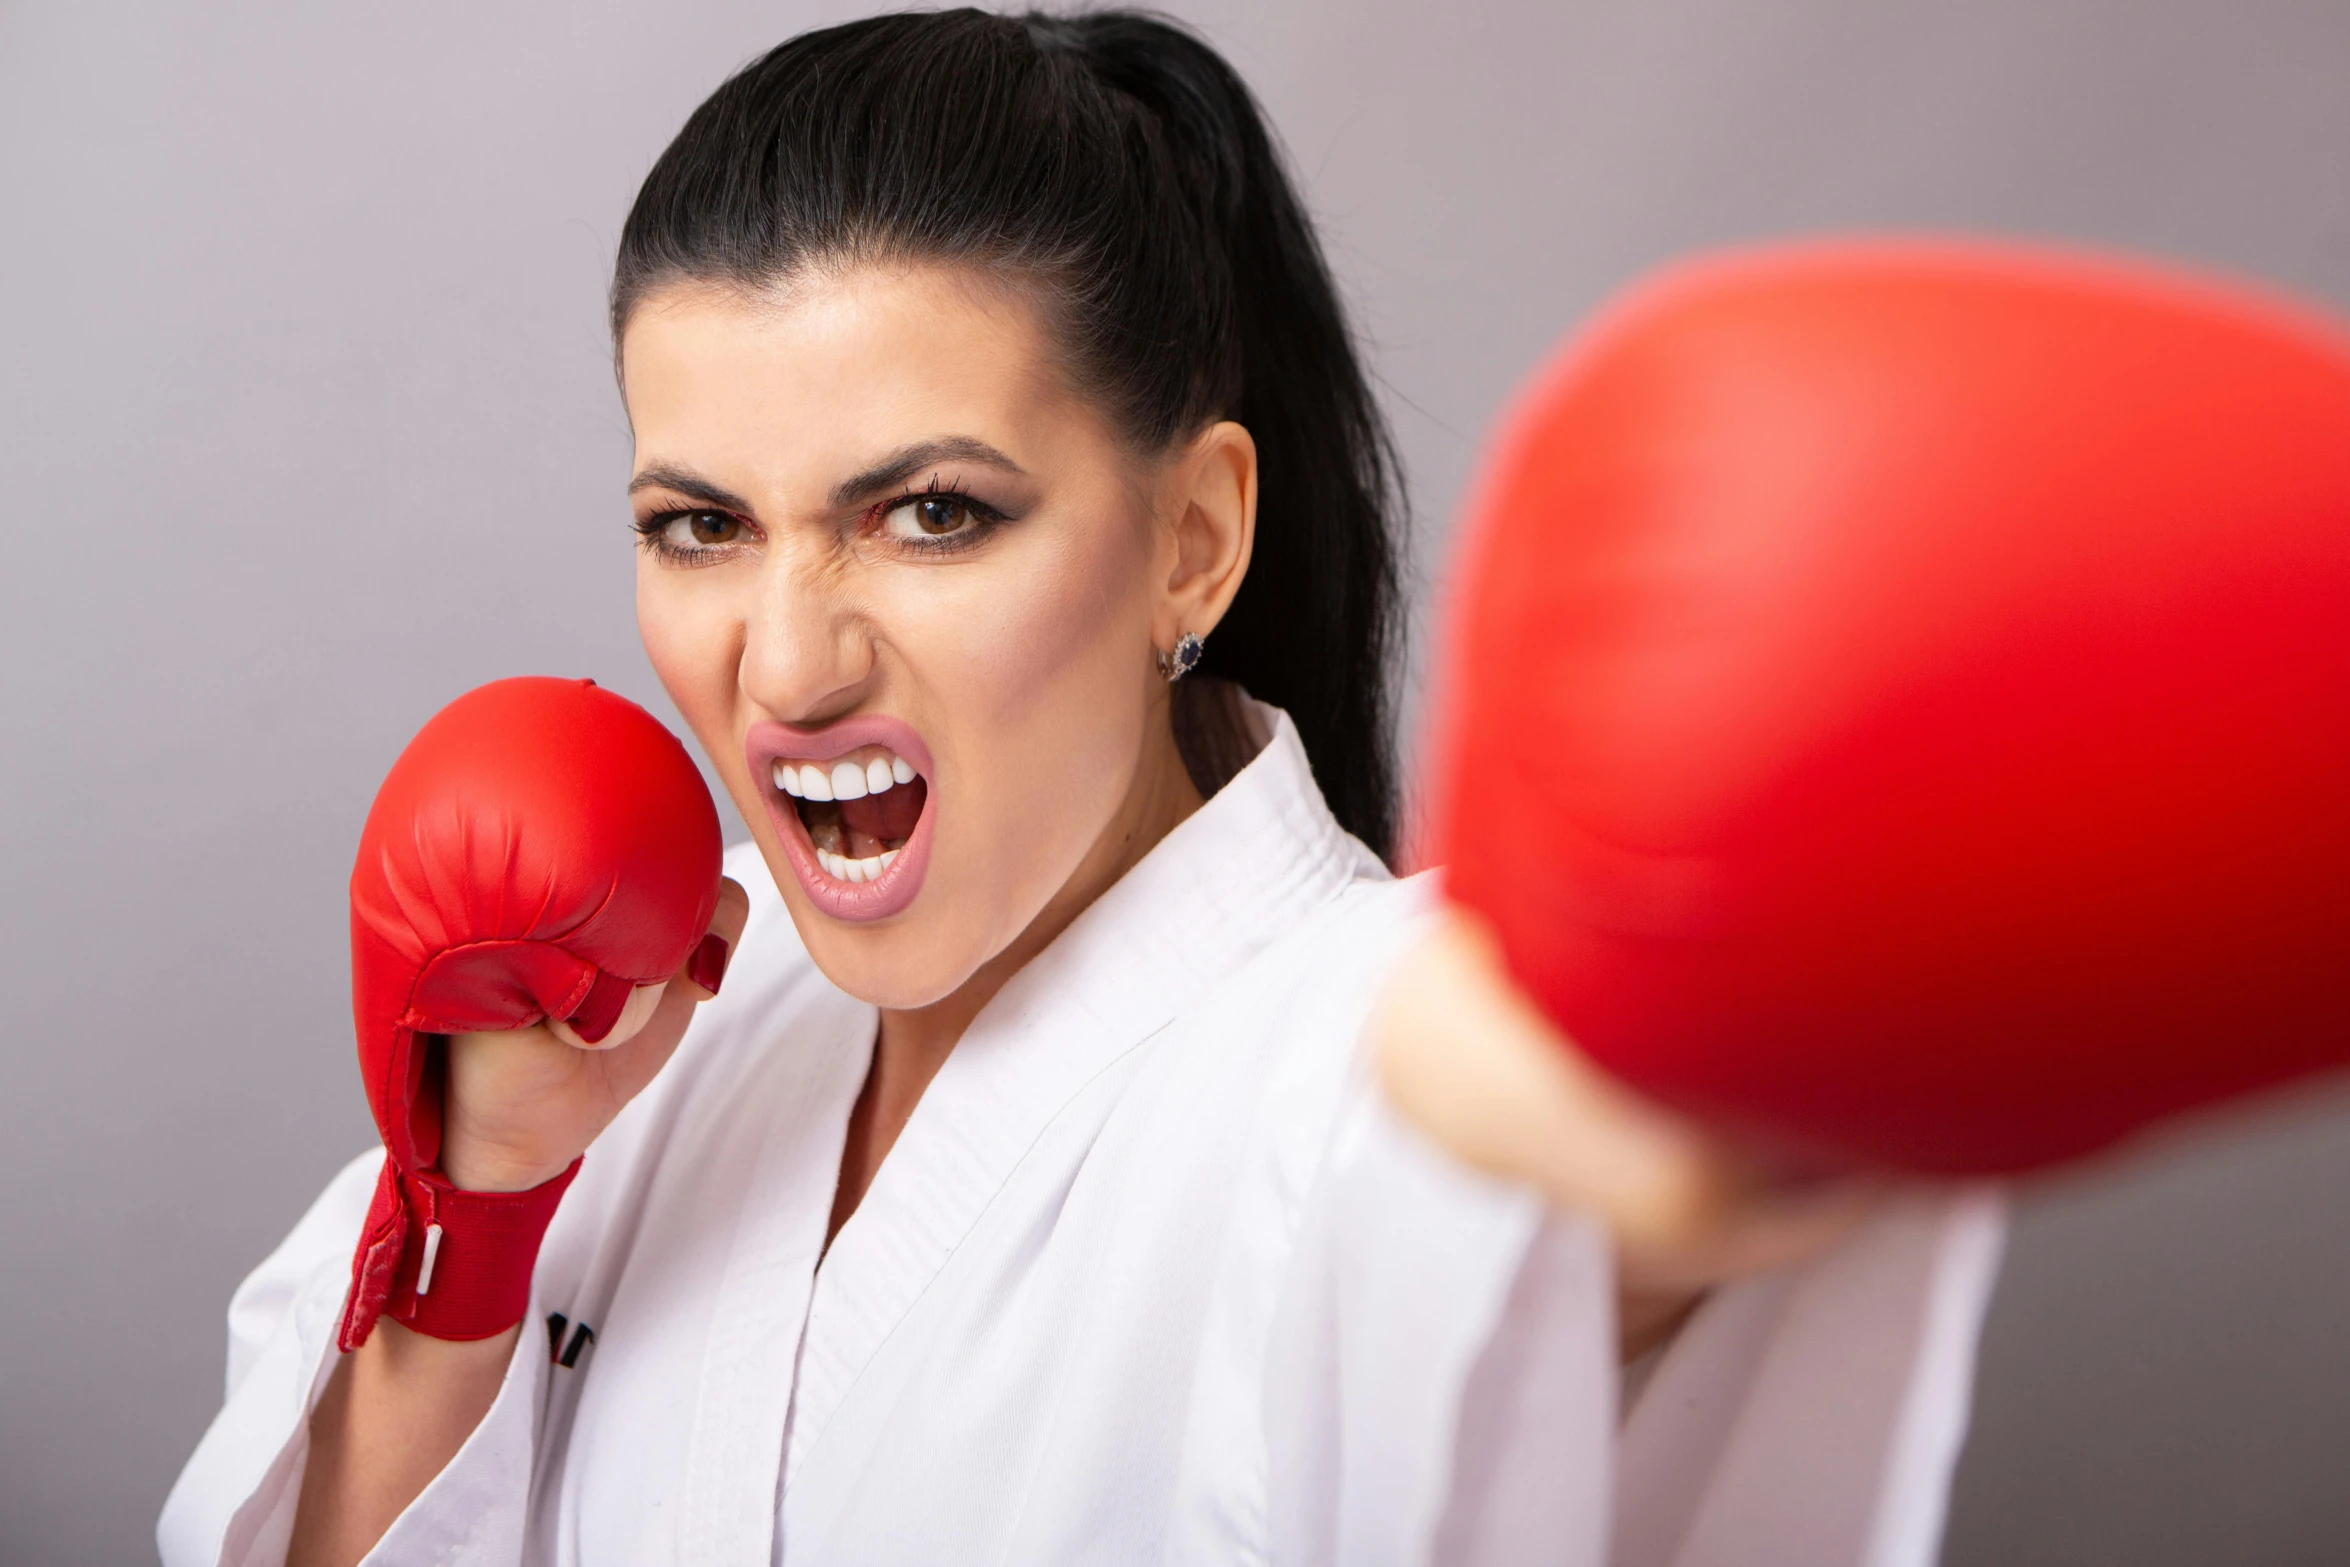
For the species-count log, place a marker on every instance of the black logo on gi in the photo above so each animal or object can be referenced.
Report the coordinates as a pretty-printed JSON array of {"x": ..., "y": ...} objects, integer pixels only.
[{"x": 566, "y": 1355}]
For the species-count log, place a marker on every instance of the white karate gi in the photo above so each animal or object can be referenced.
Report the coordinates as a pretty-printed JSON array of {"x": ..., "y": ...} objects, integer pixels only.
[{"x": 1150, "y": 1276}]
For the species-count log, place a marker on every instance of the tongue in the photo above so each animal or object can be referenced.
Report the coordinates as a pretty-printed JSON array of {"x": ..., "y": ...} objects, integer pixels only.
[{"x": 884, "y": 820}]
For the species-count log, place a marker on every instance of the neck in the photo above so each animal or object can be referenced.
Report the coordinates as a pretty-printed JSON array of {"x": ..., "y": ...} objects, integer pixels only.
[{"x": 914, "y": 1043}]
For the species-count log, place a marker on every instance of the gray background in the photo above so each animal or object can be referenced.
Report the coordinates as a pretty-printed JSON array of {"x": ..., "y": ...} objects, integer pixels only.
[{"x": 306, "y": 425}]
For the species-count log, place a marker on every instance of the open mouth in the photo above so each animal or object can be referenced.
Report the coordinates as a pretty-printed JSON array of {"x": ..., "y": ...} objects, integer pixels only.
[
  {"x": 852, "y": 806},
  {"x": 859, "y": 809}
]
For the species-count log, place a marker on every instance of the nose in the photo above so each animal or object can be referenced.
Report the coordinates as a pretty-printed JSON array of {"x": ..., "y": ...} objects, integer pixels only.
[{"x": 807, "y": 645}]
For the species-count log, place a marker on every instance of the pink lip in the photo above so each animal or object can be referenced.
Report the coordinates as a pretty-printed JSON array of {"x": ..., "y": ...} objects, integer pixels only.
[{"x": 767, "y": 743}]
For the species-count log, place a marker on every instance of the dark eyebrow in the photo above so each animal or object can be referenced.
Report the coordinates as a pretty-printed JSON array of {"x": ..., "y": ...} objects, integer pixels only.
[
  {"x": 691, "y": 485},
  {"x": 907, "y": 461}
]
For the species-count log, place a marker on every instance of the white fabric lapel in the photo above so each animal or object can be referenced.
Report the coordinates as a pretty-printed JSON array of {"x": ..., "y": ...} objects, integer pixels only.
[{"x": 1241, "y": 870}]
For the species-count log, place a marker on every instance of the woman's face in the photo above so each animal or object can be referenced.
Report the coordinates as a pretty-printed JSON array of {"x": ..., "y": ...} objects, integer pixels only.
[{"x": 905, "y": 587}]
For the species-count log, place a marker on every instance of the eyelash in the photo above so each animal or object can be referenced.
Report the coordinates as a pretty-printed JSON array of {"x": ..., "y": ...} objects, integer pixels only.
[
  {"x": 653, "y": 531},
  {"x": 652, "y": 535},
  {"x": 985, "y": 519}
]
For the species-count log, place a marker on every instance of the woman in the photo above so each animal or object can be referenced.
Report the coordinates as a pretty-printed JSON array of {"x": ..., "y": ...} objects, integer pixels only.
[{"x": 1016, "y": 541}]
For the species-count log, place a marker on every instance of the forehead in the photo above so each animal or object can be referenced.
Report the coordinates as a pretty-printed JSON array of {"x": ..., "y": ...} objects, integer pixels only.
[{"x": 834, "y": 367}]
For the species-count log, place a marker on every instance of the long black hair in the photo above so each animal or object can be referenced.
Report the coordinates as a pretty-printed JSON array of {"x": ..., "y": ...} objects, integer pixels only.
[{"x": 1116, "y": 166}]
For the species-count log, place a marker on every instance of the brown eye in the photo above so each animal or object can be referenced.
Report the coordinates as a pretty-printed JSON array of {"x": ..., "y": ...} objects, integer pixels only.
[
  {"x": 940, "y": 516},
  {"x": 698, "y": 536},
  {"x": 711, "y": 527}
]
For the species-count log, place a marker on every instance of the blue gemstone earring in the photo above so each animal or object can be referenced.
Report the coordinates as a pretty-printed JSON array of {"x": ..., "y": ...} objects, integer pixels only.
[{"x": 1185, "y": 658}]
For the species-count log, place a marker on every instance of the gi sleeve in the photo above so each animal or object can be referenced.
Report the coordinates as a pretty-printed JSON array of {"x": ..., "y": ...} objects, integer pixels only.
[
  {"x": 1441, "y": 1381},
  {"x": 1816, "y": 1415},
  {"x": 1442, "y": 1385},
  {"x": 233, "y": 1505}
]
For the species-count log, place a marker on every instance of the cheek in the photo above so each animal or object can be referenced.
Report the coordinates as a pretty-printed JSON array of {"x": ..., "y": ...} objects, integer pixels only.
[
  {"x": 695, "y": 645},
  {"x": 1055, "y": 651},
  {"x": 1039, "y": 645},
  {"x": 1049, "y": 703}
]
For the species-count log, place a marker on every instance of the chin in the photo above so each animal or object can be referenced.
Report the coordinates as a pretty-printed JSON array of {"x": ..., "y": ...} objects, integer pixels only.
[
  {"x": 896, "y": 970},
  {"x": 897, "y": 965}
]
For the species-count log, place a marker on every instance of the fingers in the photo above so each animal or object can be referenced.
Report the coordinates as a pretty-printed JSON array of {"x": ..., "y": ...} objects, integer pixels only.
[
  {"x": 696, "y": 980},
  {"x": 706, "y": 964},
  {"x": 1469, "y": 1060},
  {"x": 635, "y": 1013},
  {"x": 1466, "y": 1057}
]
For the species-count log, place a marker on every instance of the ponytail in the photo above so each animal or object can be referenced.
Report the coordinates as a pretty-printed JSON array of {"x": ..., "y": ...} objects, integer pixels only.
[{"x": 1117, "y": 165}]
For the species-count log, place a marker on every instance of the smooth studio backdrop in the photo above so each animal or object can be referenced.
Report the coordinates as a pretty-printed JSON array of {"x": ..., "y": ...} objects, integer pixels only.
[{"x": 307, "y": 424}]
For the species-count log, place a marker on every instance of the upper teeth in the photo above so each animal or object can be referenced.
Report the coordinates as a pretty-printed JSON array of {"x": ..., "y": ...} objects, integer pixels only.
[{"x": 842, "y": 780}]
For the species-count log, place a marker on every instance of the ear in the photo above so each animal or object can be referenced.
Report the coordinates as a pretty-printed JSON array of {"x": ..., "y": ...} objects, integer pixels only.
[{"x": 1211, "y": 513}]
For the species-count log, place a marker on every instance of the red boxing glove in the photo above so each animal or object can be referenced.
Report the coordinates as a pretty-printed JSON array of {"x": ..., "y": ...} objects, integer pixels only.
[
  {"x": 540, "y": 849},
  {"x": 1898, "y": 699}
]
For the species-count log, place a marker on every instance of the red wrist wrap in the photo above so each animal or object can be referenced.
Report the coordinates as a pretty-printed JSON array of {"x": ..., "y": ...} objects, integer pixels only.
[{"x": 480, "y": 1261}]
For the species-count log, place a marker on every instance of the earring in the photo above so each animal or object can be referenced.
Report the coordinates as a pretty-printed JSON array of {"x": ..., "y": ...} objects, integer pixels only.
[{"x": 1185, "y": 658}]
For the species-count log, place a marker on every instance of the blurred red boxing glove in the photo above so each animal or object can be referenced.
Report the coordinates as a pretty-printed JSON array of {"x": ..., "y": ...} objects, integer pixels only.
[
  {"x": 540, "y": 849},
  {"x": 1897, "y": 699}
]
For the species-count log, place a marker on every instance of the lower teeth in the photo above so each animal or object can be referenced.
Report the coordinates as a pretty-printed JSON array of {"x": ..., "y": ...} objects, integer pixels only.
[
  {"x": 841, "y": 868},
  {"x": 834, "y": 842}
]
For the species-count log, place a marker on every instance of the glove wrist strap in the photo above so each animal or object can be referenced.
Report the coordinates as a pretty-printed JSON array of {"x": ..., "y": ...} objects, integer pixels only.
[{"x": 447, "y": 1263}]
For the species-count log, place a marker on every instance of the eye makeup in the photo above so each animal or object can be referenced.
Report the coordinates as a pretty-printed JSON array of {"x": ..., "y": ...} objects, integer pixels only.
[
  {"x": 969, "y": 521},
  {"x": 939, "y": 520},
  {"x": 659, "y": 534}
]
